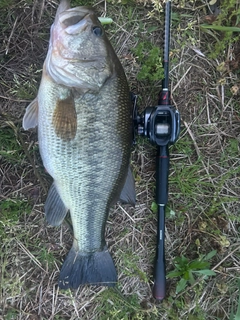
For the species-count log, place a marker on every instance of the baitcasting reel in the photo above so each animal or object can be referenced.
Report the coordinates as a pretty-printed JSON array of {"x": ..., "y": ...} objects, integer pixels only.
[{"x": 160, "y": 124}]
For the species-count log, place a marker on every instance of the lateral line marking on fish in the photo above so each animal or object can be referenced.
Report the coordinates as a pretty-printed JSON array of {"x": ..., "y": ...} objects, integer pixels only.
[{"x": 65, "y": 119}]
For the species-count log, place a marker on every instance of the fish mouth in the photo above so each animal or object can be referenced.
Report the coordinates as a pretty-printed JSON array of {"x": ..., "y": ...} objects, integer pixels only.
[{"x": 76, "y": 19}]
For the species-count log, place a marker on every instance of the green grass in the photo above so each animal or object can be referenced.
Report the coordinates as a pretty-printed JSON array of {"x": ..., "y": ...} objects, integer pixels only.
[
  {"x": 11, "y": 210},
  {"x": 24, "y": 88},
  {"x": 10, "y": 148},
  {"x": 113, "y": 305},
  {"x": 149, "y": 57},
  {"x": 132, "y": 265},
  {"x": 227, "y": 24},
  {"x": 5, "y": 4},
  {"x": 236, "y": 316}
]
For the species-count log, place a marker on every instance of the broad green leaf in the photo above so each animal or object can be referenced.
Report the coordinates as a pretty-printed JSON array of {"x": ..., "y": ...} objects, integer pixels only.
[
  {"x": 206, "y": 272},
  {"x": 186, "y": 275},
  {"x": 210, "y": 255},
  {"x": 181, "y": 260},
  {"x": 191, "y": 277},
  {"x": 181, "y": 285},
  {"x": 173, "y": 274},
  {"x": 198, "y": 264},
  {"x": 154, "y": 207},
  {"x": 181, "y": 267}
]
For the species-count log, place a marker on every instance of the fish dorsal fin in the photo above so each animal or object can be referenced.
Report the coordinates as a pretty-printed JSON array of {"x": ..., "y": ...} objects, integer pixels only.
[
  {"x": 128, "y": 194},
  {"x": 65, "y": 119},
  {"x": 30, "y": 119}
]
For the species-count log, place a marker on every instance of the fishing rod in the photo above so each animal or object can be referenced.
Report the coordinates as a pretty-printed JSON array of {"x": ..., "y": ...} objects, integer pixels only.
[{"x": 161, "y": 125}]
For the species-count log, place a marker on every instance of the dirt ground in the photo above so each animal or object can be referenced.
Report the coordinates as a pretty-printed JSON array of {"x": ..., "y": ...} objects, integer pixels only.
[{"x": 203, "y": 210}]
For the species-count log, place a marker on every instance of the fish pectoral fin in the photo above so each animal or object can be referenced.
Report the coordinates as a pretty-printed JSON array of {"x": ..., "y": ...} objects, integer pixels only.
[
  {"x": 63, "y": 6},
  {"x": 55, "y": 210},
  {"x": 30, "y": 119},
  {"x": 128, "y": 194},
  {"x": 65, "y": 119}
]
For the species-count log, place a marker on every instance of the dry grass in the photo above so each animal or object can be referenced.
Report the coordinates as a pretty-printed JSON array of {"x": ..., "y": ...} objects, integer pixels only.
[{"x": 204, "y": 177}]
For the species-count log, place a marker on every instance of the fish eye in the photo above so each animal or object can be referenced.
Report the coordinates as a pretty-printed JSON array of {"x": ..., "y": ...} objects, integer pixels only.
[{"x": 97, "y": 31}]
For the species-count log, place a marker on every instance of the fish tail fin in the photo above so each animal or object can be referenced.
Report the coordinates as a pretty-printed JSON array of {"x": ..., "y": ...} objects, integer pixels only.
[{"x": 95, "y": 268}]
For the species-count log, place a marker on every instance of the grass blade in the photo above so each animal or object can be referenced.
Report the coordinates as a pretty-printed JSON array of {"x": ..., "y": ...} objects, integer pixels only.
[
  {"x": 220, "y": 28},
  {"x": 237, "y": 316}
]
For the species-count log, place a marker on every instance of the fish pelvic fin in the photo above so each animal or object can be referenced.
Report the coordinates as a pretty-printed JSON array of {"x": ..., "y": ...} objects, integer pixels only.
[
  {"x": 80, "y": 268},
  {"x": 30, "y": 119},
  {"x": 55, "y": 210},
  {"x": 128, "y": 194}
]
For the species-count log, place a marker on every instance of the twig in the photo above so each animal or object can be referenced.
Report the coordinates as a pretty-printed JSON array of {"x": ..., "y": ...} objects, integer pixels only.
[
  {"x": 126, "y": 213},
  {"x": 11, "y": 99},
  {"x": 181, "y": 79},
  {"x": 208, "y": 113},
  {"x": 21, "y": 245},
  {"x": 11, "y": 34},
  {"x": 193, "y": 139},
  {"x": 217, "y": 265}
]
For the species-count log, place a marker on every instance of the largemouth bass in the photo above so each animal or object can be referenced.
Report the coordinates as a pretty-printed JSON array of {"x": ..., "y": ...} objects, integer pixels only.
[{"x": 83, "y": 112}]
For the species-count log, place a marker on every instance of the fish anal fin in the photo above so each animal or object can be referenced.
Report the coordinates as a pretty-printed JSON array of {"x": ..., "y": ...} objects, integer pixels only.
[
  {"x": 65, "y": 119},
  {"x": 30, "y": 119},
  {"x": 96, "y": 268},
  {"x": 128, "y": 194},
  {"x": 55, "y": 210}
]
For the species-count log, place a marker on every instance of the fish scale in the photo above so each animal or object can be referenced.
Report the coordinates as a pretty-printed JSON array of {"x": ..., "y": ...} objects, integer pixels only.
[
  {"x": 84, "y": 117},
  {"x": 97, "y": 162}
]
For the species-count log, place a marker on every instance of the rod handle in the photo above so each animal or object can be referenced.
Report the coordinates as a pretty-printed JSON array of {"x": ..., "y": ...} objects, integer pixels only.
[{"x": 159, "y": 287}]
